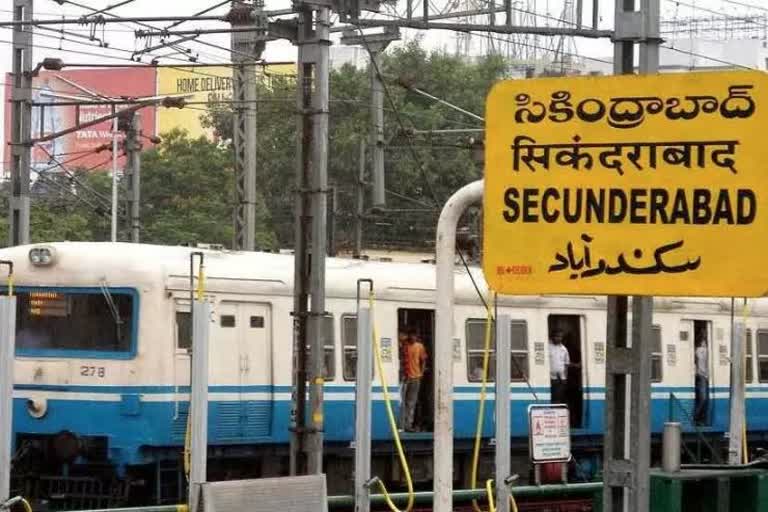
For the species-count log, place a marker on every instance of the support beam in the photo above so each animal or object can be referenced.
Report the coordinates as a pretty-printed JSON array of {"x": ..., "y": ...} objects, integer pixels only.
[
  {"x": 319, "y": 204},
  {"x": 133, "y": 164},
  {"x": 375, "y": 43},
  {"x": 363, "y": 411},
  {"x": 627, "y": 413},
  {"x": 21, "y": 123},
  {"x": 301, "y": 244},
  {"x": 247, "y": 47},
  {"x": 736, "y": 427},
  {"x": 443, "y": 350},
  {"x": 503, "y": 432},
  {"x": 7, "y": 358},
  {"x": 360, "y": 203},
  {"x": 198, "y": 410}
]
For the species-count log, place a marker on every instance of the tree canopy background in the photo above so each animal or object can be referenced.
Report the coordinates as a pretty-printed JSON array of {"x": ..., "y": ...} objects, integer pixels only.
[{"x": 188, "y": 185}]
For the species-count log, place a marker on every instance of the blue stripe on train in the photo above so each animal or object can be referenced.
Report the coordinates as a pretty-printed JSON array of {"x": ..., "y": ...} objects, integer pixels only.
[{"x": 132, "y": 423}]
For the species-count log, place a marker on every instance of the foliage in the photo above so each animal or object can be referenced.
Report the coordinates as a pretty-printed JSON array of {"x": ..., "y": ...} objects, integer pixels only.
[
  {"x": 422, "y": 172},
  {"x": 188, "y": 185}
]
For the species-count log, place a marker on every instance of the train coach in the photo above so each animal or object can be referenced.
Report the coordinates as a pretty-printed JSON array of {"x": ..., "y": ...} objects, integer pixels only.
[{"x": 102, "y": 368}]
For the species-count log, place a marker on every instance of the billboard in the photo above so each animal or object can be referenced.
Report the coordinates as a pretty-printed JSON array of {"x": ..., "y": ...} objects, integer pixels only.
[
  {"x": 76, "y": 149},
  {"x": 205, "y": 84}
]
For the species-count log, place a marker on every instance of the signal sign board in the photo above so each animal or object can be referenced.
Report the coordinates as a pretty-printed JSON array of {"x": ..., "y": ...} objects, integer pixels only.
[
  {"x": 549, "y": 433},
  {"x": 648, "y": 185}
]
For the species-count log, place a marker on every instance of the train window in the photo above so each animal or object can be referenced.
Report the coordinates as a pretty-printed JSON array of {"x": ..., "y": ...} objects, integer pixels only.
[
  {"x": 257, "y": 322},
  {"x": 183, "y": 329},
  {"x": 750, "y": 373},
  {"x": 349, "y": 342},
  {"x": 762, "y": 355},
  {"x": 227, "y": 320},
  {"x": 657, "y": 365},
  {"x": 519, "y": 350},
  {"x": 329, "y": 365},
  {"x": 98, "y": 320},
  {"x": 475, "y": 336}
]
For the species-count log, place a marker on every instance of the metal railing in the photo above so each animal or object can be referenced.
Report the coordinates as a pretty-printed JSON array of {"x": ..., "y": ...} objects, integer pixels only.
[{"x": 700, "y": 437}]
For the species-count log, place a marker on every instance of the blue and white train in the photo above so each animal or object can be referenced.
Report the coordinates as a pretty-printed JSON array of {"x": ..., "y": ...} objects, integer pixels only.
[{"x": 102, "y": 367}]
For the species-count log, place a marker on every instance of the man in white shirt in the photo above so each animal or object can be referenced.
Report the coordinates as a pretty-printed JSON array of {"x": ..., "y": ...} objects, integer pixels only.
[
  {"x": 702, "y": 380},
  {"x": 559, "y": 360}
]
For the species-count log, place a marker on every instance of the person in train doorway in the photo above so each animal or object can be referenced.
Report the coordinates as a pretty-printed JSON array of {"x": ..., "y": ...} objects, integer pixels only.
[
  {"x": 702, "y": 380},
  {"x": 414, "y": 363},
  {"x": 559, "y": 360}
]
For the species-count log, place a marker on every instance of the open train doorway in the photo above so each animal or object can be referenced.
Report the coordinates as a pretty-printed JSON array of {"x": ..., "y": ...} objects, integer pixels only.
[
  {"x": 418, "y": 323},
  {"x": 568, "y": 329},
  {"x": 702, "y": 364}
]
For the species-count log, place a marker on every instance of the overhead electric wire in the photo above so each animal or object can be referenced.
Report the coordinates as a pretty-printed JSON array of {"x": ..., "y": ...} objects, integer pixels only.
[
  {"x": 399, "y": 120},
  {"x": 743, "y": 4},
  {"x": 106, "y": 201},
  {"x": 707, "y": 57},
  {"x": 114, "y": 16}
]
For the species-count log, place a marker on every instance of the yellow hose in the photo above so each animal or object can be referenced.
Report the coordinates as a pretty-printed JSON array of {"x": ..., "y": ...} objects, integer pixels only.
[
  {"x": 480, "y": 418},
  {"x": 200, "y": 282},
  {"x": 11, "y": 502},
  {"x": 392, "y": 422},
  {"x": 489, "y": 492},
  {"x": 481, "y": 411},
  {"x": 187, "y": 447}
]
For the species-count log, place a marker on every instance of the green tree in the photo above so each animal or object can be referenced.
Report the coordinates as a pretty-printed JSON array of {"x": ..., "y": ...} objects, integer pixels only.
[
  {"x": 188, "y": 194},
  {"x": 422, "y": 172}
]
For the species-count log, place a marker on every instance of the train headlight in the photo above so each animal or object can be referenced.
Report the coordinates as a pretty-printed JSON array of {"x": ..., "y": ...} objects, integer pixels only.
[{"x": 43, "y": 256}]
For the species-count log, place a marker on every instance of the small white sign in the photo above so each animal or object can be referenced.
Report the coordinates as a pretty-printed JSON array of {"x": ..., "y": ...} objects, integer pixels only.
[{"x": 549, "y": 433}]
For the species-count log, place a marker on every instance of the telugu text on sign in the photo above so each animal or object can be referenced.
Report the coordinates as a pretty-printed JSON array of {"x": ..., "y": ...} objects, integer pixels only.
[{"x": 647, "y": 185}]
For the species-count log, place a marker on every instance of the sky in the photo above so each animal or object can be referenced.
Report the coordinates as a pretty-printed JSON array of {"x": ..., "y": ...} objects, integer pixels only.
[{"x": 122, "y": 40}]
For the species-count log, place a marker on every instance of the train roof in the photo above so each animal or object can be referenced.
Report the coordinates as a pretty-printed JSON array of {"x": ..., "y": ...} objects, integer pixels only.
[{"x": 127, "y": 264}]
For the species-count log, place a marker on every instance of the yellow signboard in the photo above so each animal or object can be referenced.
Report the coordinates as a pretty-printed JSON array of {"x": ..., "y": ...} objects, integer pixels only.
[
  {"x": 648, "y": 185},
  {"x": 210, "y": 84}
]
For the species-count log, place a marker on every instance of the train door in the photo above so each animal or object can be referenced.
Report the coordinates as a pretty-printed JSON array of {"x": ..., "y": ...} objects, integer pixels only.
[
  {"x": 699, "y": 335},
  {"x": 570, "y": 327},
  {"x": 240, "y": 363},
  {"x": 181, "y": 368},
  {"x": 422, "y": 323}
]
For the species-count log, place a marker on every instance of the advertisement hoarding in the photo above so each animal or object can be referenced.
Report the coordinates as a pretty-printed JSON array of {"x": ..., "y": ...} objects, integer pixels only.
[{"x": 68, "y": 85}]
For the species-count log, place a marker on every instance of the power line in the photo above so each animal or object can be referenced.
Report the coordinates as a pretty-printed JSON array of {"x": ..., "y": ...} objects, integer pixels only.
[
  {"x": 742, "y": 4},
  {"x": 707, "y": 57}
]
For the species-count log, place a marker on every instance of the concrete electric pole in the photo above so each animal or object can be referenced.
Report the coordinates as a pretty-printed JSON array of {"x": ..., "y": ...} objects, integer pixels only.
[
  {"x": 313, "y": 40},
  {"x": 375, "y": 44},
  {"x": 21, "y": 124},
  {"x": 132, "y": 128}
]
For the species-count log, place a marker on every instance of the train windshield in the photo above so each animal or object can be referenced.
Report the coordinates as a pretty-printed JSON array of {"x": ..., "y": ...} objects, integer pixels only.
[{"x": 56, "y": 322}]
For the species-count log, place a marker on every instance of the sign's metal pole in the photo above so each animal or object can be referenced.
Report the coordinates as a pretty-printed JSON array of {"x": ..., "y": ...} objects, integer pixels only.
[
  {"x": 198, "y": 411},
  {"x": 7, "y": 347},
  {"x": 446, "y": 263},
  {"x": 735, "y": 430},
  {"x": 363, "y": 412},
  {"x": 503, "y": 378}
]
